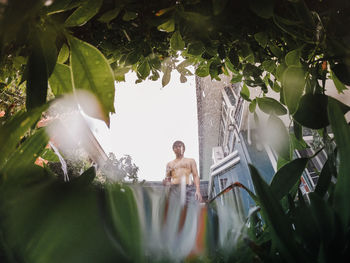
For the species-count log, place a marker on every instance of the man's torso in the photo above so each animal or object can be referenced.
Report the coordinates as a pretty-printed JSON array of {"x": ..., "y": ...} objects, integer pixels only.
[{"x": 180, "y": 169}]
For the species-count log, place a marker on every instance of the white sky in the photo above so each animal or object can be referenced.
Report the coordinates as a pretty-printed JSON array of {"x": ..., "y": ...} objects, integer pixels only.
[{"x": 148, "y": 120}]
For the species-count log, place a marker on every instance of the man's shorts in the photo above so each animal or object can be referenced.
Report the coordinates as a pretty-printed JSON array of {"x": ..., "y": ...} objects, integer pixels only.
[{"x": 187, "y": 197}]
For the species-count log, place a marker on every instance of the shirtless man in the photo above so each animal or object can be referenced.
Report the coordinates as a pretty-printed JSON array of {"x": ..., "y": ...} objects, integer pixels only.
[{"x": 180, "y": 169}]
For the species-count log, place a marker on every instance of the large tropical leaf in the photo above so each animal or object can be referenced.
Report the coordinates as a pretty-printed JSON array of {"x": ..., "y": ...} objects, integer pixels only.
[
  {"x": 41, "y": 63},
  {"x": 325, "y": 178},
  {"x": 341, "y": 132},
  {"x": 276, "y": 219},
  {"x": 312, "y": 111},
  {"x": 124, "y": 221},
  {"x": 271, "y": 106},
  {"x": 287, "y": 176},
  {"x": 91, "y": 72}
]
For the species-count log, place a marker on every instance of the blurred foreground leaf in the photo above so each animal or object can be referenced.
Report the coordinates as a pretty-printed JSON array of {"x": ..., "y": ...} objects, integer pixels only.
[
  {"x": 341, "y": 132},
  {"x": 272, "y": 212}
]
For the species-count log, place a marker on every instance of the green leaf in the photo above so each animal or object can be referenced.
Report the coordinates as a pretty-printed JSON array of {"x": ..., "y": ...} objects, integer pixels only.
[
  {"x": 132, "y": 58},
  {"x": 342, "y": 71},
  {"x": 196, "y": 48},
  {"x": 215, "y": 69},
  {"x": 263, "y": 8},
  {"x": 234, "y": 59},
  {"x": 277, "y": 221},
  {"x": 293, "y": 87},
  {"x": 305, "y": 225},
  {"x": 281, "y": 162},
  {"x": 312, "y": 111},
  {"x": 252, "y": 70},
  {"x": 40, "y": 65},
  {"x": 271, "y": 106},
  {"x": 325, "y": 178},
  {"x": 230, "y": 66},
  {"x": 61, "y": 80},
  {"x": 202, "y": 69},
  {"x": 91, "y": 72},
  {"x": 338, "y": 84},
  {"x": 166, "y": 76},
  {"x": 155, "y": 63},
  {"x": 61, "y": 6},
  {"x": 123, "y": 213},
  {"x": 245, "y": 92},
  {"x": 176, "y": 42},
  {"x": 293, "y": 58},
  {"x": 298, "y": 130},
  {"x": 143, "y": 69},
  {"x": 276, "y": 50},
  {"x": 287, "y": 176},
  {"x": 13, "y": 130},
  {"x": 183, "y": 79},
  {"x": 279, "y": 137},
  {"x": 168, "y": 26},
  {"x": 341, "y": 132},
  {"x": 119, "y": 73},
  {"x": 49, "y": 155},
  {"x": 269, "y": 65},
  {"x": 247, "y": 54},
  {"x": 298, "y": 144},
  {"x": 27, "y": 153},
  {"x": 110, "y": 15},
  {"x": 87, "y": 10},
  {"x": 232, "y": 187},
  {"x": 252, "y": 106},
  {"x": 182, "y": 70},
  {"x": 129, "y": 15},
  {"x": 63, "y": 55},
  {"x": 324, "y": 217},
  {"x": 236, "y": 78},
  {"x": 280, "y": 70},
  {"x": 261, "y": 38},
  {"x": 85, "y": 179}
]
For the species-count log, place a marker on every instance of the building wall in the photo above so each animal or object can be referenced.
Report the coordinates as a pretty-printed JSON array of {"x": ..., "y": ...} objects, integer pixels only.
[{"x": 209, "y": 100}]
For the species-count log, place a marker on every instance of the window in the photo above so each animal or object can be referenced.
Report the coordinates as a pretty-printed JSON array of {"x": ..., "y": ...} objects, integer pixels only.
[{"x": 223, "y": 183}]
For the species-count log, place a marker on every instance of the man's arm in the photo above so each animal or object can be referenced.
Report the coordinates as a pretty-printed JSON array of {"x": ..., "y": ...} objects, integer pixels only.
[
  {"x": 194, "y": 171},
  {"x": 167, "y": 179}
]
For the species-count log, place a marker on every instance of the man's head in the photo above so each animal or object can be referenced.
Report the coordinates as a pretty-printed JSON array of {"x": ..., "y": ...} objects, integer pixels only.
[{"x": 178, "y": 148}]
